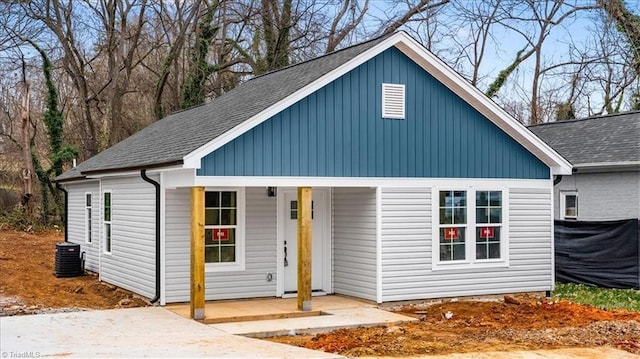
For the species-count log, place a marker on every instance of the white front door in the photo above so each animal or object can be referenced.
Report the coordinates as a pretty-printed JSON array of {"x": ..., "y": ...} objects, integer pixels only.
[{"x": 321, "y": 241}]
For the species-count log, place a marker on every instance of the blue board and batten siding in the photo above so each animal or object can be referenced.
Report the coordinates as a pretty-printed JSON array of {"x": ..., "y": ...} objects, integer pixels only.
[{"x": 338, "y": 131}]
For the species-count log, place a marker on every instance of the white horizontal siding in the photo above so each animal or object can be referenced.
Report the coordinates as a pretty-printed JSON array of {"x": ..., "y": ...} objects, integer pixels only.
[
  {"x": 131, "y": 264},
  {"x": 260, "y": 236},
  {"x": 354, "y": 242},
  {"x": 406, "y": 236},
  {"x": 406, "y": 249},
  {"x": 76, "y": 220}
]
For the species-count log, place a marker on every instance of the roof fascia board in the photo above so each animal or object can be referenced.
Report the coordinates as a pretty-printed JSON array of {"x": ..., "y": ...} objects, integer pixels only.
[
  {"x": 129, "y": 173},
  {"x": 76, "y": 180},
  {"x": 496, "y": 114},
  {"x": 250, "y": 181},
  {"x": 192, "y": 160},
  {"x": 607, "y": 166}
]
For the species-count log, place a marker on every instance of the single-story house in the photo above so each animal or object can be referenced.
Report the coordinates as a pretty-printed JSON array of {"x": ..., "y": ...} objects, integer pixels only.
[
  {"x": 605, "y": 154},
  {"x": 422, "y": 187}
]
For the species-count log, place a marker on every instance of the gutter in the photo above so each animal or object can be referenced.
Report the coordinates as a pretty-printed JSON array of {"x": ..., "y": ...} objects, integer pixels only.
[
  {"x": 557, "y": 180},
  {"x": 607, "y": 166},
  {"x": 143, "y": 174},
  {"x": 66, "y": 211},
  {"x": 83, "y": 175}
]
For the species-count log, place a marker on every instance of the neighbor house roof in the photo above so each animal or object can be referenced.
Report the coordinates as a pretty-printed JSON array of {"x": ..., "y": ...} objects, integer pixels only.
[
  {"x": 185, "y": 137},
  {"x": 603, "y": 141}
]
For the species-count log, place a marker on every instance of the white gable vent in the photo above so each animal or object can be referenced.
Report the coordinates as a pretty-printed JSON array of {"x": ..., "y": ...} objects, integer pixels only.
[{"x": 393, "y": 101}]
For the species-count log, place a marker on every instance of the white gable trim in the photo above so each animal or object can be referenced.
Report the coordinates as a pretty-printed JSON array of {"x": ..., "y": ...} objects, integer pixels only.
[{"x": 429, "y": 63}]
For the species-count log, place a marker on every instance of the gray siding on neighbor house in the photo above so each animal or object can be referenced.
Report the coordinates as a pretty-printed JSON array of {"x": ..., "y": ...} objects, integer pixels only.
[
  {"x": 407, "y": 244},
  {"x": 354, "y": 242},
  {"x": 260, "y": 247},
  {"x": 76, "y": 221},
  {"x": 602, "y": 196},
  {"x": 131, "y": 264}
]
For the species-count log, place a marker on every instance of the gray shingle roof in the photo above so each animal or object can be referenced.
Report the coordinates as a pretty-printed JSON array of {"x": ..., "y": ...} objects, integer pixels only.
[
  {"x": 604, "y": 139},
  {"x": 170, "y": 139}
]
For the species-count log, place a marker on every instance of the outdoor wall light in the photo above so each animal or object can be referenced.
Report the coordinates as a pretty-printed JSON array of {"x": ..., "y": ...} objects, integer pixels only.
[{"x": 271, "y": 191}]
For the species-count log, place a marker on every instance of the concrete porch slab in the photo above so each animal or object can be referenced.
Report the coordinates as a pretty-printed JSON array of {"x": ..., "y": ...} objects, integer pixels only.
[
  {"x": 331, "y": 319},
  {"x": 224, "y": 311}
]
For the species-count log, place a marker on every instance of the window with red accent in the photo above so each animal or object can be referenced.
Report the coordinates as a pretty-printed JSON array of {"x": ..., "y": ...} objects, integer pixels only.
[
  {"x": 470, "y": 227},
  {"x": 488, "y": 224},
  {"x": 221, "y": 225},
  {"x": 453, "y": 225}
]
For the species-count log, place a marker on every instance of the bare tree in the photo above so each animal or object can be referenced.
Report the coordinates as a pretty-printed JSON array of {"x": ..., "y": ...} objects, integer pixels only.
[
  {"x": 175, "y": 27},
  {"x": 478, "y": 17},
  {"x": 413, "y": 9},
  {"x": 27, "y": 169},
  {"x": 60, "y": 20},
  {"x": 533, "y": 21},
  {"x": 346, "y": 20}
]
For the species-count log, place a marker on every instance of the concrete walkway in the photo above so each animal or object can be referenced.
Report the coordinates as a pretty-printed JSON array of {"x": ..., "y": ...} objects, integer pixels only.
[
  {"x": 331, "y": 319},
  {"x": 135, "y": 332}
]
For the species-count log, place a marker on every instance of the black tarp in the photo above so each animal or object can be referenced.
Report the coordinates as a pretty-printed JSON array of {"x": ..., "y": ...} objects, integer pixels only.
[{"x": 604, "y": 254}]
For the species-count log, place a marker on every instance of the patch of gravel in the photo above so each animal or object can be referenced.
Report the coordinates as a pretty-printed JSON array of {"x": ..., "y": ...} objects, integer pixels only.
[
  {"x": 594, "y": 334},
  {"x": 10, "y": 306}
]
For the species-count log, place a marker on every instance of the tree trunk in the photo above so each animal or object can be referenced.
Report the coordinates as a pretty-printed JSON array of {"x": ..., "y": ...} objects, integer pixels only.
[{"x": 27, "y": 169}]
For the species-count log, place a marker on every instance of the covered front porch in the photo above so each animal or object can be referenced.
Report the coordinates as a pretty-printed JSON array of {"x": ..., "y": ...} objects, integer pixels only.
[{"x": 312, "y": 239}]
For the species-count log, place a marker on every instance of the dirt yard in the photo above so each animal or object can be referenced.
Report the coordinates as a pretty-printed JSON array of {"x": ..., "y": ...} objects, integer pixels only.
[
  {"x": 525, "y": 323},
  {"x": 28, "y": 285}
]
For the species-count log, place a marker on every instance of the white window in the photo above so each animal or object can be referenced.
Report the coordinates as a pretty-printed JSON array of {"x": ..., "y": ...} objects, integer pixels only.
[
  {"x": 569, "y": 205},
  {"x": 393, "y": 101},
  {"x": 106, "y": 210},
  {"x": 87, "y": 217},
  {"x": 224, "y": 229},
  {"x": 470, "y": 227}
]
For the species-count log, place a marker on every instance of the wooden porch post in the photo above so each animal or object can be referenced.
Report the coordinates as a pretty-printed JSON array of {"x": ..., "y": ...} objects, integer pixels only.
[
  {"x": 197, "y": 253},
  {"x": 304, "y": 248}
]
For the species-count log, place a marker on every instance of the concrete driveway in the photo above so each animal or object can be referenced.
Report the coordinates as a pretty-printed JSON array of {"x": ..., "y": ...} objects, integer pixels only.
[{"x": 135, "y": 332}]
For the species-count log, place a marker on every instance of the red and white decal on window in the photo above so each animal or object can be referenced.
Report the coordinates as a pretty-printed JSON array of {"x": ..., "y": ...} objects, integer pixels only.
[
  {"x": 220, "y": 234},
  {"x": 451, "y": 233},
  {"x": 487, "y": 232}
]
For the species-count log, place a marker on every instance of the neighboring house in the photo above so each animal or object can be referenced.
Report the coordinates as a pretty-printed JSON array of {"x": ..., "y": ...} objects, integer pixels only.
[
  {"x": 422, "y": 187},
  {"x": 605, "y": 153}
]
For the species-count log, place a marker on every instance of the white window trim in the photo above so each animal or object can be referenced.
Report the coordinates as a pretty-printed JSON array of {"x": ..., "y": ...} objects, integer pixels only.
[
  {"x": 470, "y": 261},
  {"x": 104, "y": 223},
  {"x": 88, "y": 217},
  {"x": 563, "y": 205},
  {"x": 239, "y": 264},
  {"x": 391, "y": 114}
]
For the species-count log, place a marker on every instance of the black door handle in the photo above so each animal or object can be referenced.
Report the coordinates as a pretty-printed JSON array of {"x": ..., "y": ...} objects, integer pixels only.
[{"x": 286, "y": 262}]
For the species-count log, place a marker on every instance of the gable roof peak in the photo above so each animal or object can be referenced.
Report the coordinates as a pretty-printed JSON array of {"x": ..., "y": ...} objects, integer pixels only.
[{"x": 185, "y": 137}]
